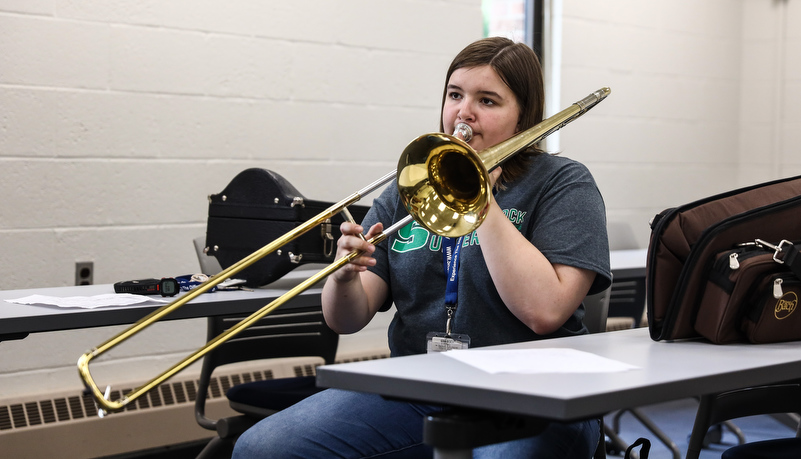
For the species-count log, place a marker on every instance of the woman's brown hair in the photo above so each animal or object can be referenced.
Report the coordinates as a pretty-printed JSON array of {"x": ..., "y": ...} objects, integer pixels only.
[{"x": 519, "y": 67}]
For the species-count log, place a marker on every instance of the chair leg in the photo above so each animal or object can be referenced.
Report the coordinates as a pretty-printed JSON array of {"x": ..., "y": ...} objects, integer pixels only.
[
  {"x": 660, "y": 434},
  {"x": 617, "y": 443},
  {"x": 735, "y": 430},
  {"x": 644, "y": 420},
  {"x": 791, "y": 420},
  {"x": 713, "y": 436},
  {"x": 616, "y": 421}
]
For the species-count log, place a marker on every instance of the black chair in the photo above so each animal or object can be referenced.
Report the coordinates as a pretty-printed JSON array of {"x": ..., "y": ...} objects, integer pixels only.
[
  {"x": 627, "y": 299},
  {"x": 290, "y": 333},
  {"x": 596, "y": 310},
  {"x": 717, "y": 408}
]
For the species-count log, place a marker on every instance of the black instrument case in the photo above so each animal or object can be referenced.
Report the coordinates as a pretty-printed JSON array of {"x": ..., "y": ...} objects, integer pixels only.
[{"x": 257, "y": 207}]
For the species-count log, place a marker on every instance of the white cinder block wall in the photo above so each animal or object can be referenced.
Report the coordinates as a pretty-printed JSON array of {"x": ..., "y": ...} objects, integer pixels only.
[
  {"x": 770, "y": 90},
  {"x": 705, "y": 98},
  {"x": 117, "y": 119},
  {"x": 121, "y": 118}
]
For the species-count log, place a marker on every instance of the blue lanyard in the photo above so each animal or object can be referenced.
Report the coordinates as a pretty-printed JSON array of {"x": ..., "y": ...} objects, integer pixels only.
[{"x": 451, "y": 248}]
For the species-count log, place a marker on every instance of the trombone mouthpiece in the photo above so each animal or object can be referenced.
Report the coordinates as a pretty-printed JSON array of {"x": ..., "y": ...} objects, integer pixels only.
[{"x": 465, "y": 130}]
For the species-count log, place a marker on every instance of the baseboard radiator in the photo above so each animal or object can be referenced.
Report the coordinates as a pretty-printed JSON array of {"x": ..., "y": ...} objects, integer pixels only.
[{"x": 66, "y": 425}]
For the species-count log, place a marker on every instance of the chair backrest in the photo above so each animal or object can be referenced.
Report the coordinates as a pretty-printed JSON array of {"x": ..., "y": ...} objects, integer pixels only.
[
  {"x": 774, "y": 399},
  {"x": 716, "y": 408},
  {"x": 627, "y": 299},
  {"x": 596, "y": 308}
]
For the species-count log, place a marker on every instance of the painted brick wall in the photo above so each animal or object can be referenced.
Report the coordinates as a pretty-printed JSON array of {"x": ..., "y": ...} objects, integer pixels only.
[
  {"x": 667, "y": 134},
  {"x": 118, "y": 119},
  {"x": 702, "y": 98},
  {"x": 770, "y": 119}
]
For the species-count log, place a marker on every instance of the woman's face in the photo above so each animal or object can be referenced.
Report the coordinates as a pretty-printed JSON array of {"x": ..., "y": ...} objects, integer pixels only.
[{"x": 478, "y": 97}]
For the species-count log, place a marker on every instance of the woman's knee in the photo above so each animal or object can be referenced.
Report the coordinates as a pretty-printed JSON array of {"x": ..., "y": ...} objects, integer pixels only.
[
  {"x": 243, "y": 448},
  {"x": 337, "y": 424},
  {"x": 271, "y": 437}
]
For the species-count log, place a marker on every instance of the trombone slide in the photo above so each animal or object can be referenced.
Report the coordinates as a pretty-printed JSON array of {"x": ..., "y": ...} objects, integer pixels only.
[{"x": 444, "y": 184}]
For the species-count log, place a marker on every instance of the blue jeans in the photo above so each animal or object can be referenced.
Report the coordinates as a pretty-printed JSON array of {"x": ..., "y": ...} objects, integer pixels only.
[{"x": 343, "y": 424}]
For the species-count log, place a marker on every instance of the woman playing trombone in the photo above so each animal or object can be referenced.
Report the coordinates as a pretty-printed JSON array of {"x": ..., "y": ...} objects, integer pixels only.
[{"x": 521, "y": 276}]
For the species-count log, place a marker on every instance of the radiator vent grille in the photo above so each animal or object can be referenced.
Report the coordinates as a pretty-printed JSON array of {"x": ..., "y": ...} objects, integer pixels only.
[{"x": 23, "y": 415}]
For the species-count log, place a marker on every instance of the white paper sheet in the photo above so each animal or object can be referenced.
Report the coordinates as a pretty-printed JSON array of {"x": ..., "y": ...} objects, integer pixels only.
[
  {"x": 531, "y": 361},
  {"x": 88, "y": 302}
]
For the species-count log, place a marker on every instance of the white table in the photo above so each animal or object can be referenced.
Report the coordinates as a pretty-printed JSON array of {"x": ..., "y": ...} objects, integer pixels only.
[{"x": 667, "y": 371}]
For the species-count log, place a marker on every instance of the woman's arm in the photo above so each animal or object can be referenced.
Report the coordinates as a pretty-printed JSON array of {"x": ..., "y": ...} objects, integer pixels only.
[
  {"x": 542, "y": 295},
  {"x": 352, "y": 295}
]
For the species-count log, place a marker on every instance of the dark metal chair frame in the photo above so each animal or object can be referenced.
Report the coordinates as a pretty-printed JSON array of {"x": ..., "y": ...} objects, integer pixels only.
[
  {"x": 294, "y": 332},
  {"x": 718, "y": 408}
]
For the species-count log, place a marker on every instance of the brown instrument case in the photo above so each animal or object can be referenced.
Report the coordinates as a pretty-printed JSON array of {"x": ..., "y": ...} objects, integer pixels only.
[{"x": 686, "y": 240}]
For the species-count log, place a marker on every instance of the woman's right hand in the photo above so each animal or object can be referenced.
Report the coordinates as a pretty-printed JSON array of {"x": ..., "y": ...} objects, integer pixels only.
[
  {"x": 351, "y": 296},
  {"x": 351, "y": 240}
]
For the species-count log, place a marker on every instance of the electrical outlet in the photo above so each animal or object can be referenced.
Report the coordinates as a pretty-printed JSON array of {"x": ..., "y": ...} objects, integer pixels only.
[{"x": 84, "y": 272}]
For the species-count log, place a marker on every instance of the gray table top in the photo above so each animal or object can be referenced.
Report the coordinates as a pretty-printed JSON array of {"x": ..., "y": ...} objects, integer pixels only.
[
  {"x": 16, "y": 319},
  {"x": 19, "y": 319},
  {"x": 667, "y": 371}
]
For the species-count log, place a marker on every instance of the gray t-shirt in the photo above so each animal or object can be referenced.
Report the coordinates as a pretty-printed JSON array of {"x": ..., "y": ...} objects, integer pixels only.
[{"x": 555, "y": 204}]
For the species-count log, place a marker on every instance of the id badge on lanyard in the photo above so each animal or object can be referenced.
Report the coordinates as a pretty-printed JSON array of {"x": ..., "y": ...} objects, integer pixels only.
[{"x": 439, "y": 341}]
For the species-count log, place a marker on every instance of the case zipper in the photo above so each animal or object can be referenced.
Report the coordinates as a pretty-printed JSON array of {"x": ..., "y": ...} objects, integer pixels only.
[
  {"x": 777, "y": 288},
  {"x": 778, "y": 282}
]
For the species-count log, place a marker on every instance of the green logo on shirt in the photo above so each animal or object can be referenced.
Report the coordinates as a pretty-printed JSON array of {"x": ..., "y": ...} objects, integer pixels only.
[
  {"x": 414, "y": 237},
  {"x": 411, "y": 237},
  {"x": 515, "y": 216}
]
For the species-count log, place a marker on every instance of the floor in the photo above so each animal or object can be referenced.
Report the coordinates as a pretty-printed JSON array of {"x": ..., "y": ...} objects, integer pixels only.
[{"x": 676, "y": 420}]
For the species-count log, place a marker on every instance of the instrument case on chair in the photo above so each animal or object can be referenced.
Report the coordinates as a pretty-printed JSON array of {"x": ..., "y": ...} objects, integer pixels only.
[
  {"x": 686, "y": 240},
  {"x": 259, "y": 206}
]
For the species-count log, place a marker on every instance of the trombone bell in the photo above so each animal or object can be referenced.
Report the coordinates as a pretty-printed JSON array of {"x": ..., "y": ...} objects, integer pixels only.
[{"x": 444, "y": 184}]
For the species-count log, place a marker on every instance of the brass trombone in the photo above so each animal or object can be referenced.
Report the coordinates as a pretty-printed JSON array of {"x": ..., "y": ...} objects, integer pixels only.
[{"x": 444, "y": 185}]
